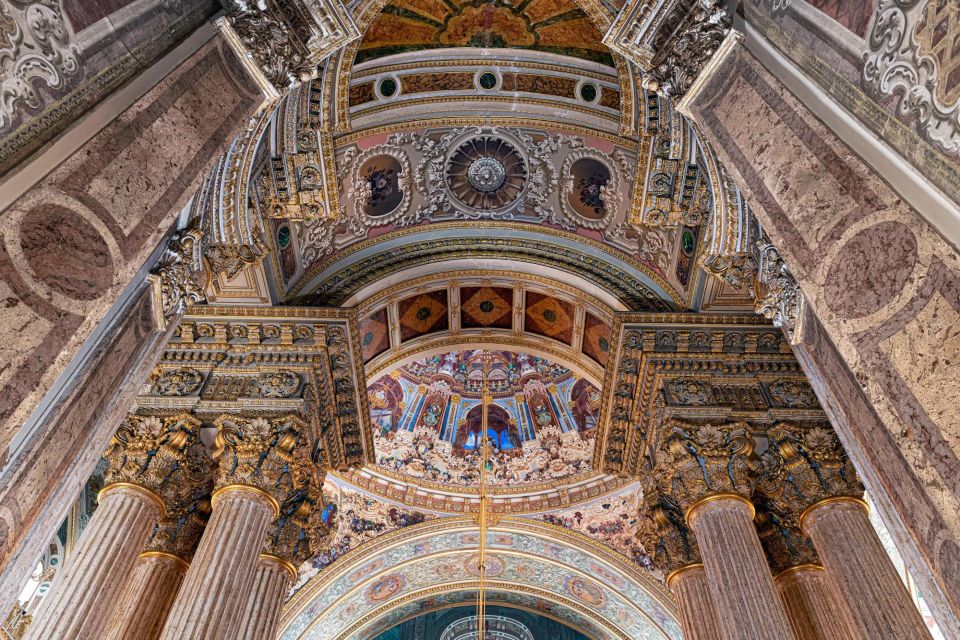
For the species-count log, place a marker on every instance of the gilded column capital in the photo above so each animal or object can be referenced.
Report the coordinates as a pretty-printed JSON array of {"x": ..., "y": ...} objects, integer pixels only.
[
  {"x": 269, "y": 455},
  {"x": 299, "y": 530},
  {"x": 779, "y": 529},
  {"x": 804, "y": 465},
  {"x": 696, "y": 461},
  {"x": 178, "y": 533},
  {"x": 162, "y": 455},
  {"x": 665, "y": 536}
]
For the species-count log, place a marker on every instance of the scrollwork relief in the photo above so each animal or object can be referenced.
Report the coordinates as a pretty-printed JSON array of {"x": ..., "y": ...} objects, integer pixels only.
[{"x": 902, "y": 60}]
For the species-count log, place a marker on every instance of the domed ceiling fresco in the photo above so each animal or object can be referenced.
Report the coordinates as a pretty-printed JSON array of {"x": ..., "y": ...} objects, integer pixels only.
[{"x": 427, "y": 419}]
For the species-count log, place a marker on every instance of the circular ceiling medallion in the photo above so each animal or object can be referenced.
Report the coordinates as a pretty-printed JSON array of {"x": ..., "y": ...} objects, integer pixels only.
[{"x": 486, "y": 173}]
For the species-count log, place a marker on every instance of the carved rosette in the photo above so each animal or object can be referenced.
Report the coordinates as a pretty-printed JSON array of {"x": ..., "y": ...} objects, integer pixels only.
[
  {"x": 778, "y": 295},
  {"x": 161, "y": 454},
  {"x": 694, "y": 461},
  {"x": 270, "y": 454},
  {"x": 804, "y": 465}
]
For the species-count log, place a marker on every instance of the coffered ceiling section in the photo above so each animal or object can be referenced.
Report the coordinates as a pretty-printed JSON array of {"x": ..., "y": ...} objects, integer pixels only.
[{"x": 495, "y": 309}]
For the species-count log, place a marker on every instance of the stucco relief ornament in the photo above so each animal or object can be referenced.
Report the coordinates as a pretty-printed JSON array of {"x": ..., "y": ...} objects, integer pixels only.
[
  {"x": 906, "y": 57},
  {"x": 35, "y": 45},
  {"x": 178, "y": 278},
  {"x": 278, "y": 384},
  {"x": 608, "y": 194},
  {"x": 177, "y": 382},
  {"x": 360, "y": 187},
  {"x": 778, "y": 296}
]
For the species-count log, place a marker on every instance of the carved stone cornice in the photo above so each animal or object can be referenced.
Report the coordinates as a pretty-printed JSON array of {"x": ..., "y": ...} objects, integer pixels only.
[
  {"x": 270, "y": 454},
  {"x": 664, "y": 534},
  {"x": 287, "y": 40},
  {"x": 693, "y": 461},
  {"x": 161, "y": 454},
  {"x": 804, "y": 465},
  {"x": 780, "y": 535},
  {"x": 693, "y": 368},
  {"x": 270, "y": 362},
  {"x": 670, "y": 40}
]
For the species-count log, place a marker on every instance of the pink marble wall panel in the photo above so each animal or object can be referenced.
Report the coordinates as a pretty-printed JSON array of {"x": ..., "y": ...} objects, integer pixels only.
[
  {"x": 884, "y": 286},
  {"x": 72, "y": 243}
]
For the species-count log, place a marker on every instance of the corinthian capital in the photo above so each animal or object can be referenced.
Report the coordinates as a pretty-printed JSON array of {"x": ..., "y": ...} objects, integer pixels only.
[
  {"x": 161, "y": 454},
  {"x": 697, "y": 460},
  {"x": 664, "y": 534},
  {"x": 670, "y": 40},
  {"x": 299, "y": 529},
  {"x": 806, "y": 464},
  {"x": 271, "y": 454},
  {"x": 779, "y": 528},
  {"x": 178, "y": 280}
]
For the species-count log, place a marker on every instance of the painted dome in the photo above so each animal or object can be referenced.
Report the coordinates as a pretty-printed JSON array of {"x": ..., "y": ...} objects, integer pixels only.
[{"x": 427, "y": 419}]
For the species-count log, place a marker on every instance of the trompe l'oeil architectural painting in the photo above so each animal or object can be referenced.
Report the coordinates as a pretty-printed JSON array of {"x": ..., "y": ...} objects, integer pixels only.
[{"x": 479, "y": 319}]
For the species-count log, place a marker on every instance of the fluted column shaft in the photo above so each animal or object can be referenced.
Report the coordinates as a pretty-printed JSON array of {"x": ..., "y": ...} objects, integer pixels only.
[
  {"x": 698, "y": 615},
  {"x": 85, "y": 593},
  {"x": 211, "y": 599},
  {"x": 743, "y": 591},
  {"x": 867, "y": 581},
  {"x": 271, "y": 582},
  {"x": 149, "y": 594},
  {"x": 813, "y": 604}
]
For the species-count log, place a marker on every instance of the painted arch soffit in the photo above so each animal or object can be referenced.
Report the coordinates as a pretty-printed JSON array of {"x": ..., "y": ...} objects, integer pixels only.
[{"x": 426, "y": 561}]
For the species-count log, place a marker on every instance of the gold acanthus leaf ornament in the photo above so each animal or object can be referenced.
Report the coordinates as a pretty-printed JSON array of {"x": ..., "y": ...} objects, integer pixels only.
[
  {"x": 271, "y": 454},
  {"x": 152, "y": 452}
]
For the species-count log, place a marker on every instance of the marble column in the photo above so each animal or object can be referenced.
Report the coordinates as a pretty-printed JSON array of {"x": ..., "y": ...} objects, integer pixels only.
[
  {"x": 142, "y": 610},
  {"x": 746, "y": 598},
  {"x": 814, "y": 606},
  {"x": 291, "y": 540},
  {"x": 83, "y": 595},
  {"x": 150, "y": 463},
  {"x": 672, "y": 549},
  {"x": 809, "y": 472},
  {"x": 263, "y": 462},
  {"x": 705, "y": 470},
  {"x": 698, "y": 615},
  {"x": 866, "y": 578},
  {"x": 271, "y": 581}
]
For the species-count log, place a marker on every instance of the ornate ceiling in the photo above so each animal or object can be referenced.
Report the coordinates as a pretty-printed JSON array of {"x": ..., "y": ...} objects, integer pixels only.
[
  {"x": 427, "y": 417},
  {"x": 480, "y": 186},
  {"x": 555, "y": 26}
]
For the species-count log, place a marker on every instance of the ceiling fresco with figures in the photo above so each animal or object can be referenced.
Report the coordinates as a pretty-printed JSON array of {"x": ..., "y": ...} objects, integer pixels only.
[
  {"x": 427, "y": 419},
  {"x": 555, "y": 26}
]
